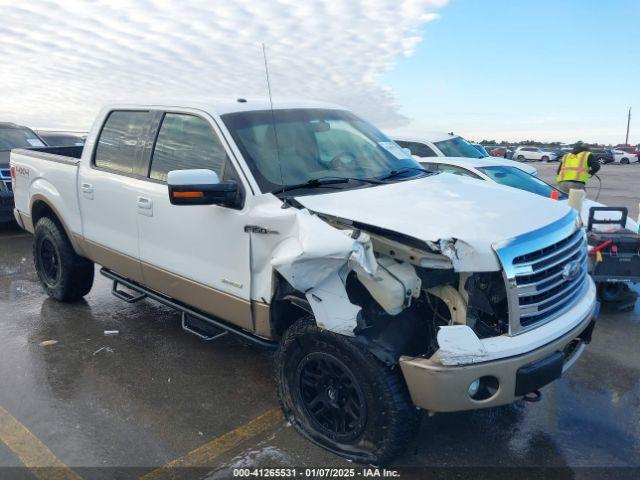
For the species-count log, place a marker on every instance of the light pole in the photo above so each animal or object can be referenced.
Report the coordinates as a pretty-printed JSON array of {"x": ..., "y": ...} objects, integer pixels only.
[{"x": 626, "y": 140}]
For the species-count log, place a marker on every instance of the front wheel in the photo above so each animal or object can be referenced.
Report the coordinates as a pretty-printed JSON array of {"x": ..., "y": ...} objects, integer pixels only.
[
  {"x": 339, "y": 396},
  {"x": 545, "y": 159},
  {"x": 64, "y": 274},
  {"x": 520, "y": 157},
  {"x": 624, "y": 161}
]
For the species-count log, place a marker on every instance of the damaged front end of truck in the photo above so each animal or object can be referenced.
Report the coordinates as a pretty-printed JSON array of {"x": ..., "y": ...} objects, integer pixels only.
[
  {"x": 435, "y": 308},
  {"x": 398, "y": 295}
]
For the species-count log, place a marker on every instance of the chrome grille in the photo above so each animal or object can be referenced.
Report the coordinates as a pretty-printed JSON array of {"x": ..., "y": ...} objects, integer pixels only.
[{"x": 545, "y": 271}]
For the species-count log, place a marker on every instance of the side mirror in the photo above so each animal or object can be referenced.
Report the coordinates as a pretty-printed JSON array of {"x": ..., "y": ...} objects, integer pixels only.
[{"x": 200, "y": 187}]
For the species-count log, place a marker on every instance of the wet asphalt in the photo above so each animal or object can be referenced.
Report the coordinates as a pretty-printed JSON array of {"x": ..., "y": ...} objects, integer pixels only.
[{"x": 122, "y": 405}]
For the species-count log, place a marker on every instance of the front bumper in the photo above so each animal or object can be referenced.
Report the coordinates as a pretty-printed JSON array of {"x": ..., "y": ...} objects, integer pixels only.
[
  {"x": 6, "y": 206},
  {"x": 439, "y": 388}
]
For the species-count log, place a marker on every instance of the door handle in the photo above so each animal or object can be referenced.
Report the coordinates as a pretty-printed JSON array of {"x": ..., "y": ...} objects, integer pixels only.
[
  {"x": 144, "y": 203},
  {"x": 145, "y": 206},
  {"x": 87, "y": 190}
]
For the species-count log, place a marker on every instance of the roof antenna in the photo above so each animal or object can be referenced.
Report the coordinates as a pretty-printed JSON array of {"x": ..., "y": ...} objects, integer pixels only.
[{"x": 273, "y": 115}]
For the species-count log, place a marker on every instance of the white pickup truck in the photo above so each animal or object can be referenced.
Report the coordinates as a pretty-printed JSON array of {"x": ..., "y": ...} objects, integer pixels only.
[{"x": 383, "y": 286}]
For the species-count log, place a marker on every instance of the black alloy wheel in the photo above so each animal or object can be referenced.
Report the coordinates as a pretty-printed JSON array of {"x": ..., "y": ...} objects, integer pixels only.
[
  {"x": 331, "y": 396},
  {"x": 50, "y": 261}
]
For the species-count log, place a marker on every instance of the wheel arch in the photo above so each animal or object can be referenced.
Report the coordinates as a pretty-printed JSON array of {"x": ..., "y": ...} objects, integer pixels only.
[{"x": 41, "y": 207}]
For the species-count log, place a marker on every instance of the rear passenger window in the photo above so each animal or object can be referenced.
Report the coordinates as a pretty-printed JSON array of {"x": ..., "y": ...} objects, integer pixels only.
[
  {"x": 118, "y": 143},
  {"x": 186, "y": 142}
]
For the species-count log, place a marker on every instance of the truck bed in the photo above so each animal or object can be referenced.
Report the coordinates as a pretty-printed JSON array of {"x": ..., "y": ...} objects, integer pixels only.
[{"x": 49, "y": 173}]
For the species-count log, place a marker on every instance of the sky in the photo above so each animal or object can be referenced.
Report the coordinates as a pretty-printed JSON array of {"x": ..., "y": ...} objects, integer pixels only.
[{"x": 496, "y": 69}]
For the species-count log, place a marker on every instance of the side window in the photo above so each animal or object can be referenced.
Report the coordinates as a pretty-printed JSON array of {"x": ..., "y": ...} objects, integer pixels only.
[
  {"x": 457, "y": 170},
  {"x": 186, "y": 142},
  {"x": 417, "y": 149},
  {"x": 117, "y": 147}
]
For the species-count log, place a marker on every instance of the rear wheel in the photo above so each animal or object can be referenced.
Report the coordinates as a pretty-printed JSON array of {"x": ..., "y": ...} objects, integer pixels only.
[
  {"x": 338, "y": 395},
  {"x": 64, "y": 274},
  {"x": 624, "y": 161},
  {"x": 545, "y": 159}
]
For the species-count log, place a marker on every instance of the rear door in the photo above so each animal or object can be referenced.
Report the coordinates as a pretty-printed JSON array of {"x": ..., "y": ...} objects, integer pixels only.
[
  {"x": 197, "y": 254},
  {"x": 108, "y": 192}
]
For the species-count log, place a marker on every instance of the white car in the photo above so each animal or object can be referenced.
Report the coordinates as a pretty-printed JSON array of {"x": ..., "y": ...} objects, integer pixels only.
[
  {"x": 437, "y": 144},
  {"x": 447, "y": 145},
  {"x": 472, "y": 167},
  {"x": 510, "y": 174},
  {"x": 535, "y": 153},
  {"x": 624, "y": 158}
]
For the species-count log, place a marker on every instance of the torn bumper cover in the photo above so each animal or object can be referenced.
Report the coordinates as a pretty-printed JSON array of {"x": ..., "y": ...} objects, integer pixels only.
[{"x": 445, "y": 388}]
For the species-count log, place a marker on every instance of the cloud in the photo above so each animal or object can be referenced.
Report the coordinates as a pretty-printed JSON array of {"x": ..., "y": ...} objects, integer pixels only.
[{"x": 63, "y": 59}]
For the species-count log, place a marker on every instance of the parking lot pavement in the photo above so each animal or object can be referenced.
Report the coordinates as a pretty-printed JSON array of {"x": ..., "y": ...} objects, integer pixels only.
[{"x": 127, "y": 404}]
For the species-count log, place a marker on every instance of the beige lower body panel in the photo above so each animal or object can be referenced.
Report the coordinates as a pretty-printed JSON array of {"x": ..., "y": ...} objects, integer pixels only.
[
  {"x": 209, "y": 300},
  {"x": 439, "y": 388},
  {"x": 249, "y": 315}
]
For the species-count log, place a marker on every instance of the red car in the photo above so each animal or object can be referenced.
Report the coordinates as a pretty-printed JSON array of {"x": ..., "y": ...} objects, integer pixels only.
[{"x": 500, "y": 152}]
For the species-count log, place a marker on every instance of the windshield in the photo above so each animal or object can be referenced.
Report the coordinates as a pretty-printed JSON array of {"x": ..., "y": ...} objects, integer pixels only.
[
  {"x": 458, "y": 147},
  {"x": 18, "y": 138},
  {"x": 313, "y": 144},
  {"x": 516, "y": 178}
]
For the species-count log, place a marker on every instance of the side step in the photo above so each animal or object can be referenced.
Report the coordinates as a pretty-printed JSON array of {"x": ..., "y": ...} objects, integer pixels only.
[
  {"x": 126, "y": 296},
  {"x": 204, "y": 326},
  {"x": 203, "y": 330}
]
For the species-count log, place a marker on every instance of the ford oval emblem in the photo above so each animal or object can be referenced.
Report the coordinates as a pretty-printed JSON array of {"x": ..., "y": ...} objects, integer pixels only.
[{"x": 571, "y": 270}]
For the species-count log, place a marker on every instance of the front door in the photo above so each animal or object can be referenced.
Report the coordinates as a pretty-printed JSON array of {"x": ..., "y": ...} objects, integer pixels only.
[{"x": 197, "y": 254}]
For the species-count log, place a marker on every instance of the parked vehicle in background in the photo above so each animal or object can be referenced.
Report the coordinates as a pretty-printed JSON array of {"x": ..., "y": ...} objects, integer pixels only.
[
  {"x": 384, "y": 287},
  {"x": 633, "y": 150},
  {"x": 481, "y": 149},
  {"x": 603, "y": 155},
  {"x": 535, "y": 154},
  {"x": 623, "y": 157},
  {"x": 512, "y": 174},
  {"x": 61, "y": 139},
  {"x": 12, "y": 136},
  {"x": 437, "y": 144},
  {"x": 503, "y": 152}
]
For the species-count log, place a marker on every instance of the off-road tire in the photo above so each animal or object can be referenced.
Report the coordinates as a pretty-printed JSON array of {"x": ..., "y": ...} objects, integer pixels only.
[
  {"x": 71, "y": 277},
  {"x": 390, "y": 421}
]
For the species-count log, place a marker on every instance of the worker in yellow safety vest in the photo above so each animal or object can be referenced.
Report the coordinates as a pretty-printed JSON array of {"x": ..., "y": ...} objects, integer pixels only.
[{"x": 576, "y": 167}]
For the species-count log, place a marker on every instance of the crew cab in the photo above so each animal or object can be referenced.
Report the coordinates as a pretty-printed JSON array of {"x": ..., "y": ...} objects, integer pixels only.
[{"x": 301, "y": 227}]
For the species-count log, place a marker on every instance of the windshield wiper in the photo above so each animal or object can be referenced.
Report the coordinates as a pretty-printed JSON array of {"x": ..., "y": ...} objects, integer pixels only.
[
  {"x": 324, "y": 181},
  {"x": 400, "y": 171}
]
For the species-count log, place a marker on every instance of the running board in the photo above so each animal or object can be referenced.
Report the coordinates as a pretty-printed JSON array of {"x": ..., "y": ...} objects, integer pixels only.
[
  {"x": 126, "y": 296},
  {"x": 189, "y": 313},
  {"x": 201, "y": 329}
]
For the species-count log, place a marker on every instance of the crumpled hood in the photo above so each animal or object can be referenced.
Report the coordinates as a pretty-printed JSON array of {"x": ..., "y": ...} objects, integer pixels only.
[{"x": 445, "y": 207}]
